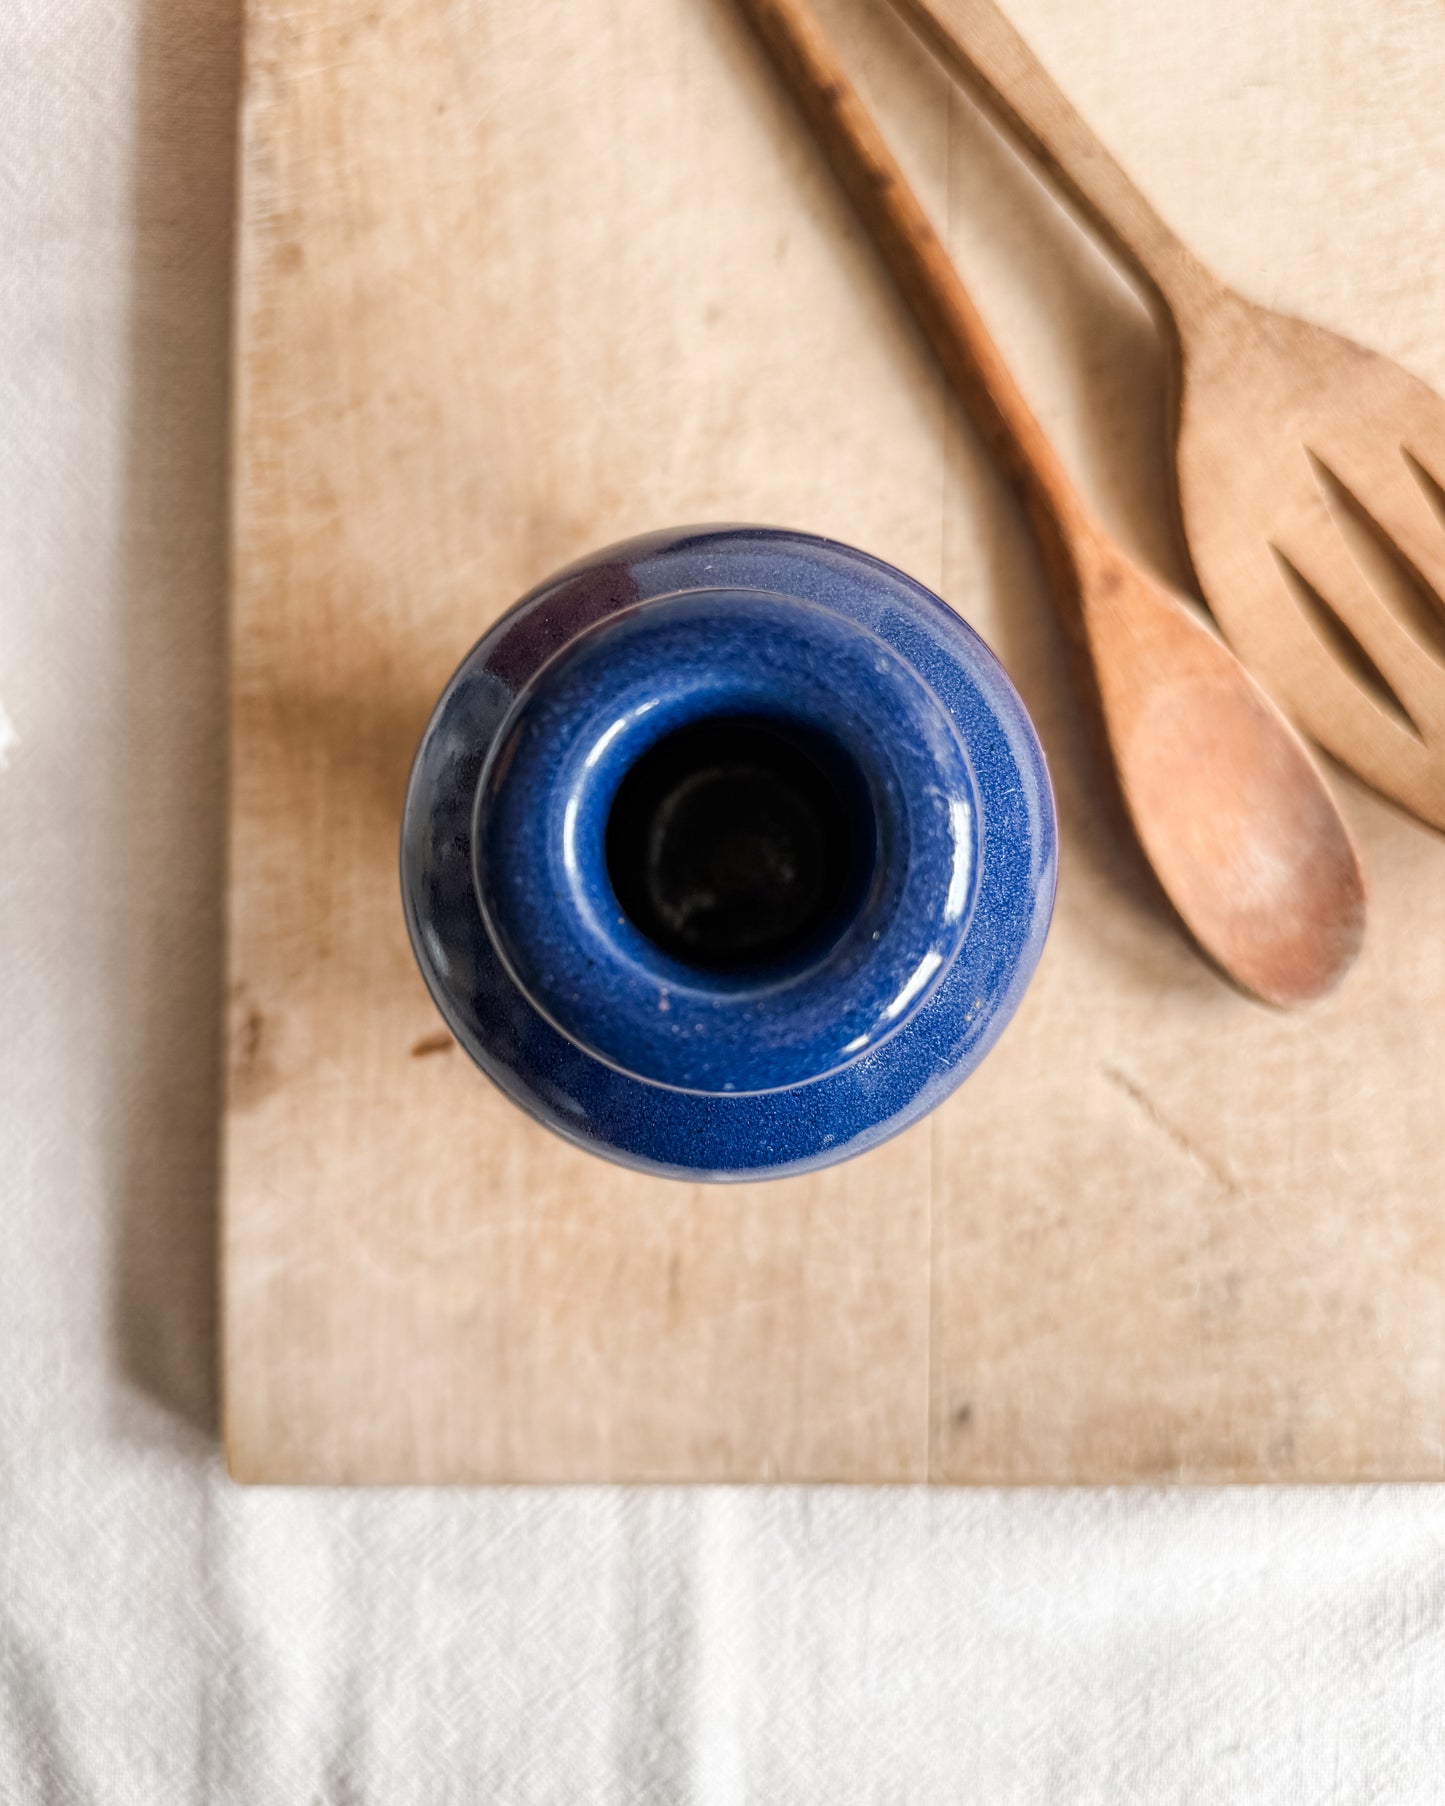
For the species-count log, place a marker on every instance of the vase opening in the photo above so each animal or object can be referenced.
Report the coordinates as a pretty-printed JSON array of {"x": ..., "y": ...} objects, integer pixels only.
[{"x": 742, "y": 842}]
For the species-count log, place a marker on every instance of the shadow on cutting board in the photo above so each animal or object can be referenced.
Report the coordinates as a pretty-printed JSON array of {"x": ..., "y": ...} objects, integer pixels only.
[{"x": 166, "y": 774}]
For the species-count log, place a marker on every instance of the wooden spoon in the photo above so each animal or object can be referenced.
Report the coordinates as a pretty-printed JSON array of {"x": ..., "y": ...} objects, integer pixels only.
[
  {"x": 1230, "y": 809},
  {"x": 1309, "y": 469}
]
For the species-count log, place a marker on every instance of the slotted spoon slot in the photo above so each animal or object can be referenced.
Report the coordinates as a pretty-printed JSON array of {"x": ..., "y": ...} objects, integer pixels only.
[
  {"x": 1430, "y": 486},
  {"x": 1395, "y": 579},
  {"x": 1342, "y": 643}
]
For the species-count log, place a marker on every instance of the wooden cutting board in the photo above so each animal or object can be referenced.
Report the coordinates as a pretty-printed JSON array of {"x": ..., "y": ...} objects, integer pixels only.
[{"x": 518, "y": 280}]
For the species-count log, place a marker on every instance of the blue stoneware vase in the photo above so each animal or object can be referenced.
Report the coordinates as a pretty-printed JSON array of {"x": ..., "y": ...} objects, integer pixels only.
[{"x": 728, "y": 852}]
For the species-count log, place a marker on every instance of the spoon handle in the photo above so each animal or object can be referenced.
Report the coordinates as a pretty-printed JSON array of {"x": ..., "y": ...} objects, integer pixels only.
[
  {"x": 924, "y": 271},
  {"x": 975, "y": 42}
]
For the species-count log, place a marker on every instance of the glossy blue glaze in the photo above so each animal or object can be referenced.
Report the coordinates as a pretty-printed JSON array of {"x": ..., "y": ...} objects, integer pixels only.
[{"x": 646, "y": 1056}]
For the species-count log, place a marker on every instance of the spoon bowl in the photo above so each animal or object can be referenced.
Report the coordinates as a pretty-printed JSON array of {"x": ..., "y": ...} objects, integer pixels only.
[{"x": 1227, "y": 802}]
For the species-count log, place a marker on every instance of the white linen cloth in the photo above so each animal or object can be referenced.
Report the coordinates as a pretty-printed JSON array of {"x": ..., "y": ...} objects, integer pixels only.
[{"x": 165, "y": 1636}]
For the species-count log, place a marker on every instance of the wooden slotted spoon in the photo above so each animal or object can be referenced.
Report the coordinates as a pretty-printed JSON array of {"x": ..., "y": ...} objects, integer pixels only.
[
  {"x": 1229, "y": 807},
  {"x": 1309, "y": 468}
]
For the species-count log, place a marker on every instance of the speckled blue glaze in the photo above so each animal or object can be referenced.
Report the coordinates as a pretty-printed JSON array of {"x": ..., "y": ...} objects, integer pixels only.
[{"x": 588, "y": 1023}]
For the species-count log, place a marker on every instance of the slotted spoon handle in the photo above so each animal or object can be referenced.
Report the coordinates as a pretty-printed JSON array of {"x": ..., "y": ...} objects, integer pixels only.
[{"x": 974, "y": 40}]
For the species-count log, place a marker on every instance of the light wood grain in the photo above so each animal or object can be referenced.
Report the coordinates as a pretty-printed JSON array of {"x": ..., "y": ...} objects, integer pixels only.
[{"x": 518, "y": 281}]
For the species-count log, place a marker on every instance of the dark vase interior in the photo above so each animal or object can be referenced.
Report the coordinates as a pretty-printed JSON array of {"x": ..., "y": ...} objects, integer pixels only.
[{"x": 741, "y": 842}]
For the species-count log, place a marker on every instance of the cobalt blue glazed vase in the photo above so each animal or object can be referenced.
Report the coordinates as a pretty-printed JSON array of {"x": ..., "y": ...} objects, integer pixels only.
[{"x": 728, "y": 852}]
